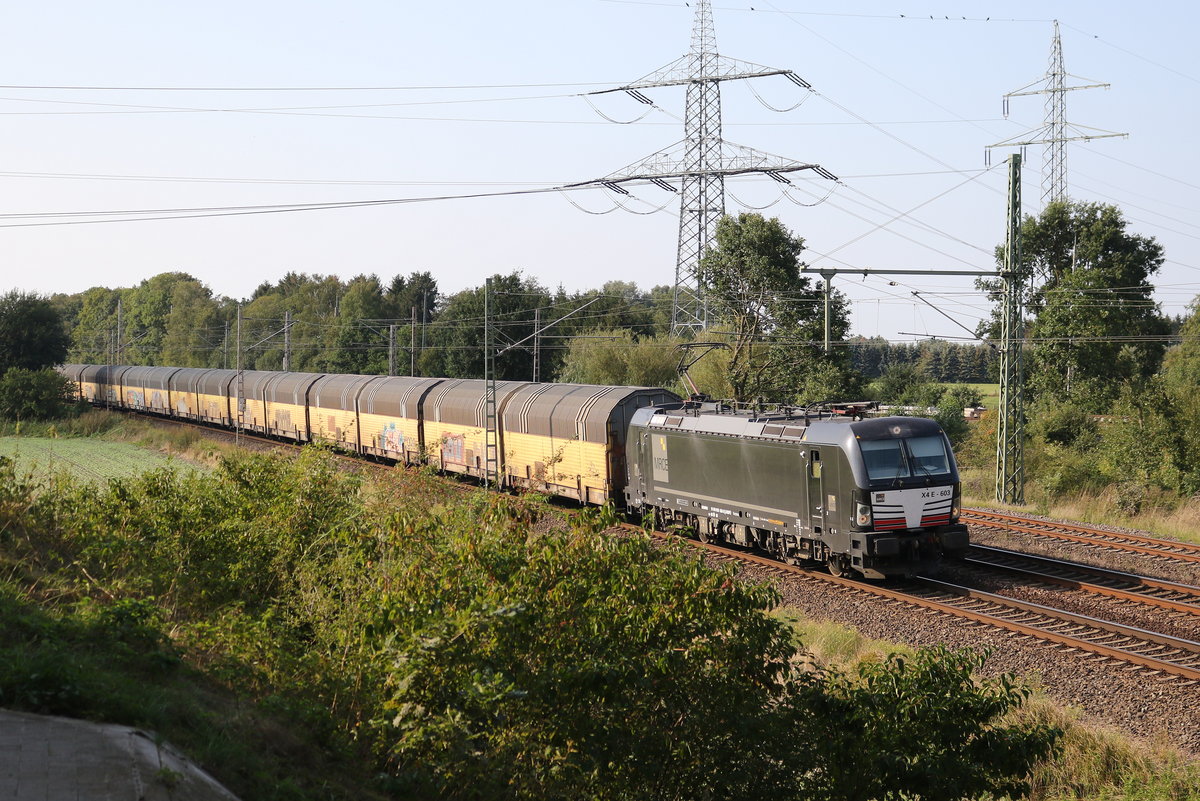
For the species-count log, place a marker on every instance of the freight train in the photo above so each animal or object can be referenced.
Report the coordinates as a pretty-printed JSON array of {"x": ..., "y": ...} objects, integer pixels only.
[{"x": 875, "y": 497}]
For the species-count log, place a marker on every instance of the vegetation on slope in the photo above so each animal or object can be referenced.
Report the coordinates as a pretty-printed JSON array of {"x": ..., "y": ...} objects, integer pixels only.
[{"x": 460, "y": 648}]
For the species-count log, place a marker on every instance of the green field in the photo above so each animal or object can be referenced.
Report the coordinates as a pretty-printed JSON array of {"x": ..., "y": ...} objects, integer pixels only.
[
  {"x": 85, "y": 458},
  {"x": 990, "y": 393}
]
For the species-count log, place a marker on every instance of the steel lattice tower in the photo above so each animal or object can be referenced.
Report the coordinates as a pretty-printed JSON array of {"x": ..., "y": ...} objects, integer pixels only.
[
  {"x": 703, "y": 159},
  {"x": 702, "y": 194},
  {"x": 1054, "y": 152},
  {"x": 1056, "y": 131}
]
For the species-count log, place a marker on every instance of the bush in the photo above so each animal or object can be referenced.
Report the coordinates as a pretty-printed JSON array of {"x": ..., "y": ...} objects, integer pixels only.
[
  {"x": 918, "y": 727},
  {"x": 577, "y": 664},
  {"x": 35, "y": 395},
  {"x": 470, "y": 650},
  {"x": 958, "y": 397},
  {"x": 1067, "y": 425},
  {"x": 1067, "y": 473}
]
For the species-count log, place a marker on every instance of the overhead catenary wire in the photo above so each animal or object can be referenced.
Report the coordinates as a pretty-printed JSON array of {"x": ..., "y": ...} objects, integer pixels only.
[{"x": 337, "y": 205}]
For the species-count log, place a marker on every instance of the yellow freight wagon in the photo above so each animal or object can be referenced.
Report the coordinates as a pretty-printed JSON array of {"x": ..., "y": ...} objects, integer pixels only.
[
  {"x": 74, "y": 372},
  {"x": 101, "y": 384},
  {"x": 88, "y": 379},
  {"x": 569, "y": 439},
  {"x": 390, "y": 413},
  {"x": 185, "y": 398},
  {"x": 215, "y": 392},
  {"x": 133, "y": 388},
  {"x": 455, "y": 425},
  {"x": 564, "y": 439},
  {"x": 332, "y": 409},
  {"x": 249, "y": 406},
  {"x": 285, "y": 405},
  {"x": 147, "y": 389}
]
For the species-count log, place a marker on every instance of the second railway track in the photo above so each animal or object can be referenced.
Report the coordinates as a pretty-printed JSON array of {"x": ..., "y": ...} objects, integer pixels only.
[
  {"x": 1104, "y": 539},
  {"x": 1158, "y": 655},
  {"x": 1159, "y": 593}
]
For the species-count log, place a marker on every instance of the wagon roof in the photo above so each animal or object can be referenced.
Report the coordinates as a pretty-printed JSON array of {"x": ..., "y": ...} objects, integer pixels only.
[
  {"x": 583, "y": 411},
  {"x": 397, "y": 396}
]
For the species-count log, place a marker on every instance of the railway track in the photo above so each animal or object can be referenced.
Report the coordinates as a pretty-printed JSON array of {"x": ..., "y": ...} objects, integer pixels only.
[
  {"x": 1155, "y": 654},
  {"x": 1119, "y": 541},
  {"x": 1169, "y": 595}
]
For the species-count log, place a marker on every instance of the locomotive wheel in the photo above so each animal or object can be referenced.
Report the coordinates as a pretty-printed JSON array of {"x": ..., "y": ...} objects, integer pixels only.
[{"x": 839, "y": 566}]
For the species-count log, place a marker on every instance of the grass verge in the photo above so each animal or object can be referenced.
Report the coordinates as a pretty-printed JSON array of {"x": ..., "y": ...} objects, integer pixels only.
[{"x": 1096, "y": 764}]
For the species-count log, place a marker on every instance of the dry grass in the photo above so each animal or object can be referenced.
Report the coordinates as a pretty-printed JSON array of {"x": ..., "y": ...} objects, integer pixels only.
[
  {"x": 1096, "y": 763},
  {"x": 1102, "y": 764},
  {"x": 835, "y": 645},
  {"x": 1180, "y": 522}
]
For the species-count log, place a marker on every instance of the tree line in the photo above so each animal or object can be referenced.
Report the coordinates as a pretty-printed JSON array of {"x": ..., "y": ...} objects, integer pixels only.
[
  {"x": 1094, "y": 339},
  {"x": 767, "y": 327}
]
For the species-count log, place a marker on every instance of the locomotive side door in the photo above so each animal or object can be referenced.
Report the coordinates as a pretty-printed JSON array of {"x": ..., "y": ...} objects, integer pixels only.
[
  {"x": 816, "y": 494},
  {"x": 641, "y": 464}
]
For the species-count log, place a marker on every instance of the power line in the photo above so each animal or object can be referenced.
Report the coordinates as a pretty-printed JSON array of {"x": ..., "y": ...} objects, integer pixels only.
[{"x": 395, "y": 88}]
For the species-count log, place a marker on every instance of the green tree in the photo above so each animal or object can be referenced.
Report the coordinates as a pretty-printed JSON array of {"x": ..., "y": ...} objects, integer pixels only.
[
  {"x": 145, "y": 311},
  {"x": 1150, "y": 448},
  {"x": 455, "y": 343},
  {"x": 313, "y": 302},
  {"x": 419, "y": 292},
  {"x": 35, "y": 394},
  {"x": 615, "y": 356},
  {"x": 1181, "y": 377},
  {"x": 32, "y": 335},
  {"x": 363, "y": 332},
  {"x": 1181, "y": 364},
  {"x": 193, "y": 328},
  {"x": 773, "y": 315},
  {"x": 901, "y": 384},
  {"x": 93, "y": 336},
  {"x": 1091, "y": 294}
]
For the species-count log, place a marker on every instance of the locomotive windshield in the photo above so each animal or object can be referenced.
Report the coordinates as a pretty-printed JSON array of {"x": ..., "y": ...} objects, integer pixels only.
[{"x": 887, "y": 459}]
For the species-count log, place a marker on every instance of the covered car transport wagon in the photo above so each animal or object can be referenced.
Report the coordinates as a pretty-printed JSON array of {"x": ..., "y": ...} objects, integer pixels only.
[{"x": 569, "y": 439}]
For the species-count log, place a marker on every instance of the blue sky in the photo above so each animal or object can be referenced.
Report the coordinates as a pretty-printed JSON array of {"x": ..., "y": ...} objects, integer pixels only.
[{"x": 283, "y": 103}]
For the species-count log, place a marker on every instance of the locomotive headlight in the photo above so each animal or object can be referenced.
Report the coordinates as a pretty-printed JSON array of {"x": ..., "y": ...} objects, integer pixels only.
[
  {"x": 955, "y": 505},
  {"x": 863, "y": 515}
]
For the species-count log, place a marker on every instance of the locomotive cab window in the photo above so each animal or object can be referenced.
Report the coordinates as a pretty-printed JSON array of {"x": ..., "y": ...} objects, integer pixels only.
[
  {"x": 815, "y": 464},
  {"x": 929, "y": 456},
  {"x": 884, "y": 459},
  {"x": 887, "y": 459}
]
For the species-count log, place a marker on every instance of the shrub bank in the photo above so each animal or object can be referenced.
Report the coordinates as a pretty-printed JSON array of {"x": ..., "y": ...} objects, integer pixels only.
[{"x": 447, "y": 650}]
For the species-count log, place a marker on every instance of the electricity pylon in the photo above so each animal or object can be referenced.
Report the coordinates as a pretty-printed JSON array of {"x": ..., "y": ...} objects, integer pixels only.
[
  {"x": 703, "y": 159},
  {"x": 1053, "y": 135}
]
